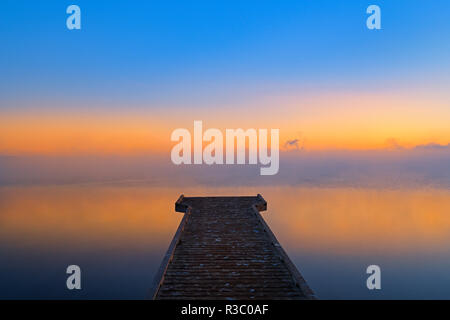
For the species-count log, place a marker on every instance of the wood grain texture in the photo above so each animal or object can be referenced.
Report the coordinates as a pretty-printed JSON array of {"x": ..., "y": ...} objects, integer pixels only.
[{"x": 223, "y": 249}]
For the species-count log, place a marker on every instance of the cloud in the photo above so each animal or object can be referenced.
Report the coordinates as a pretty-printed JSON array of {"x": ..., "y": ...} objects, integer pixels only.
[
  {"x": 292, "y": 144},
  {"x": 433, "y": 146},
  {"x": 295, "y": 143}
]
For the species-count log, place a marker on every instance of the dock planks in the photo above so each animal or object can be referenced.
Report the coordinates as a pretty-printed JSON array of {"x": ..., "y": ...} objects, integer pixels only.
[{"x": 223, "y": 249}]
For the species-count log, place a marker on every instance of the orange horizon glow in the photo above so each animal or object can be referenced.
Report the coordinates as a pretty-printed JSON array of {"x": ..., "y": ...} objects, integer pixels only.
[{"x": 359, "y": 122}]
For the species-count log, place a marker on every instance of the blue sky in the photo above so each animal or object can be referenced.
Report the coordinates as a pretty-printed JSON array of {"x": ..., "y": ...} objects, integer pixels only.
[{"x": 170, "y": 51}]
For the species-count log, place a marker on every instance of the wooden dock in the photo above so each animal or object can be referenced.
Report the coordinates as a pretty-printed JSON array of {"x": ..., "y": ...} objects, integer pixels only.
[{"x": 223, "y": 249}]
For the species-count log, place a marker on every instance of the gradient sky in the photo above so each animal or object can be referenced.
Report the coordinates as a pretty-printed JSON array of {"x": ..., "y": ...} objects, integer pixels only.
[{"x": 136, "y": 71}]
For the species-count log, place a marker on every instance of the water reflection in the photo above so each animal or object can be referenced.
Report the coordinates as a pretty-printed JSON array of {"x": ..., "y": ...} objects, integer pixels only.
[
  {"x": 118, "y": 234},
  {"x": 352, "y": 220}
]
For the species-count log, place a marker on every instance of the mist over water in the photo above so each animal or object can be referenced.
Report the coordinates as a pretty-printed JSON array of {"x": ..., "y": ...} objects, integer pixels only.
[
  {"x": 404, "y": 168},
  {"x": 335, "y": 213},
  {"x": 86, "y": 116}
]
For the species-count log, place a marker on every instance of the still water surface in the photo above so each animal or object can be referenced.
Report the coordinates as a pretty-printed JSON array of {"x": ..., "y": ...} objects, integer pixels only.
[{"x": 118, "y": 234}]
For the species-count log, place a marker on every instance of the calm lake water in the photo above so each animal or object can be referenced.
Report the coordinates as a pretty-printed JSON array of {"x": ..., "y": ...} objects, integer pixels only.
[{"x": 119, "y": 234}]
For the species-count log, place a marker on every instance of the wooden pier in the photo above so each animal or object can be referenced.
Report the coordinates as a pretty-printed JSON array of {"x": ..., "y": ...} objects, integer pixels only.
[{"x": 223, "y": 249}]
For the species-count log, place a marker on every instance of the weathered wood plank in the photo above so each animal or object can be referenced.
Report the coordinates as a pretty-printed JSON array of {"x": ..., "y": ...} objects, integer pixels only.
[{"x": 223, "y": 249}]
